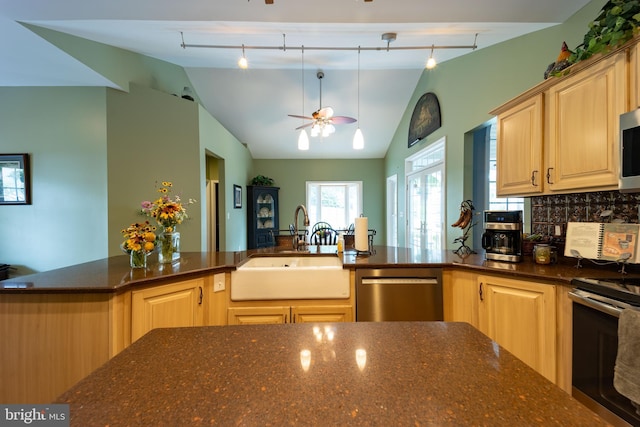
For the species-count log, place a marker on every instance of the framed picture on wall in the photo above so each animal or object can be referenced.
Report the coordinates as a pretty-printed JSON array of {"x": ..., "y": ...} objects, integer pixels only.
[
  {"x": 425, "y": 118},
  {"x": 237, "y": 196},
  {"x": 15, "y": 179}
]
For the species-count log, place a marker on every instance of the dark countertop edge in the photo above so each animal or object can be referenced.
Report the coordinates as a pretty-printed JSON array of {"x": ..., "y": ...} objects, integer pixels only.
[
  {"x": 380, "y": 259},
  {"x": 121, "y": 287}
]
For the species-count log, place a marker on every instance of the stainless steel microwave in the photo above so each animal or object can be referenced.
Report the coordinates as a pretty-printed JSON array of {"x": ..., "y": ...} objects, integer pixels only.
[{"x": 629, "y": 177}]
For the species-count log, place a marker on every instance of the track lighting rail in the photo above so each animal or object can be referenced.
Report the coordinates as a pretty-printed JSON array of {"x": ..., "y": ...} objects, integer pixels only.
[{"x": 284, "y": 47}]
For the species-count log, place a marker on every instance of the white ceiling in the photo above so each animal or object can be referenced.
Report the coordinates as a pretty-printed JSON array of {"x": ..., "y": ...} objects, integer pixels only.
[{"x": 253, "y": 104}]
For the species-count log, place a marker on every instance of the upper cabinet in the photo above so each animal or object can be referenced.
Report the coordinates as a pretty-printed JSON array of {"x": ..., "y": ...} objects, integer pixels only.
[
  {"x": 562, "y": 135},
  {"x": 520, "y": 148},
  {"x": 262, "y": 216}
]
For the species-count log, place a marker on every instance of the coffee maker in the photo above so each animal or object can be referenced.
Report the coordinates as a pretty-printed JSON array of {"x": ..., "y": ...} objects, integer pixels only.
[{"x": 502, "y": 237}]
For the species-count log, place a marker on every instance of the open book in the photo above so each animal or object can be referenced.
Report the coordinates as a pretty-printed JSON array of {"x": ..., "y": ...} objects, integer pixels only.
[{"x": 606, "y": 241}]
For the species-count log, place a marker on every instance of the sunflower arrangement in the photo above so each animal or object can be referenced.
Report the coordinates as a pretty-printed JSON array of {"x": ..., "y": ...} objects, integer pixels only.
[
  {"x": 168, "y": 212},
  {"x": 139, "y": 237}
]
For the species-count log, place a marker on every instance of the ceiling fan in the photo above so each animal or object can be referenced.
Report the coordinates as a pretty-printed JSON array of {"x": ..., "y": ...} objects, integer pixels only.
[{"x": 322, "y": 120}]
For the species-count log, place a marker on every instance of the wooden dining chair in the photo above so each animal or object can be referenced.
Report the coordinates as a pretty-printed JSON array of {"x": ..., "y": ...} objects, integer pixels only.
[{"x": 323, "y": 234}]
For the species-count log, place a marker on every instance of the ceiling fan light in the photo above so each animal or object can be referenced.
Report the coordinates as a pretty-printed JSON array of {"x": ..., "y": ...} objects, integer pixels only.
[
  {"x": 315, "y": 130},
  {"x": 328, "y": 130},
  {"x": 328, "y": 111},
  {"x": 303, "y": 140},
  {"x": 358, "y": 140}
]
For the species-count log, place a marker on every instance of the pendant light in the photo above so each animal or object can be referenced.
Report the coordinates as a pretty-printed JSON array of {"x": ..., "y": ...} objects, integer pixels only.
[
  {"x": 431, "y": 62},
  {"x": 242, "y": 62},
  {"x": 303, "y": 139},
  {"x": 358, "y": 139}
]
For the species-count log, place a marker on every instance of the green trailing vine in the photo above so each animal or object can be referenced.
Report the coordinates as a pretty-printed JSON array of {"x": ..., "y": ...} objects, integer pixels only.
[{"x": 616, "y": 24}]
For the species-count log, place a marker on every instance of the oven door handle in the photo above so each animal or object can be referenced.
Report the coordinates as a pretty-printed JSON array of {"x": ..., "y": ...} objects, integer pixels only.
[{"x": 583, "y": 299}]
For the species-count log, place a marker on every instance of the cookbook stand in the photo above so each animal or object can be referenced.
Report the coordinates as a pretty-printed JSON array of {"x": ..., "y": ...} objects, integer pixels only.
[{"x": 622, "y": 261}]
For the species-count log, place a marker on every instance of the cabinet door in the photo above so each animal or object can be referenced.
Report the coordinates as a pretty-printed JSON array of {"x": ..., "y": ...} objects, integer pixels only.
[
  {"x": 460, "y": 297},
  {"x": 258, "y": 315},
  {"x": 175, "y": 305},
  {"x": 583, "y": 131},
  {"x": 519, "y": 149},
  {"x": 322, "y": 314},
  {"x": 521, "y": 317}
]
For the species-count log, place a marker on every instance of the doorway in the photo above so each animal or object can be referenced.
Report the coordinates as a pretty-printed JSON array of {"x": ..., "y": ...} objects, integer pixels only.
[
  {"x": 425, "y": 199},
  {"x": 215, "y": 169}
]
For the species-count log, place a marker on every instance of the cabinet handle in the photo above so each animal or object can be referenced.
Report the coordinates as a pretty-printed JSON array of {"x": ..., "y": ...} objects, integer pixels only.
[
  {"x": 480, "y": 292},
  {"x": 201, "y": 296},
  {"x": 549, "y": 175},
  {"x": 533, "y": 178},
  {"x": 286, "y": 317}
]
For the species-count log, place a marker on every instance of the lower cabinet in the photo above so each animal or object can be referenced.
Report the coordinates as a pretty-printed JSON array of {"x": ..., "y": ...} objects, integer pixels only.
[
  {"x": 290, "y": 314},
  {"x": 520, "y": 315},
  {"x": 173, "y": 305}
]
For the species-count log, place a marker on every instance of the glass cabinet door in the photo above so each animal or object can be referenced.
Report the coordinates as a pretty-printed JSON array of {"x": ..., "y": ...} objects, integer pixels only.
[{"x": 265, "y": 211}]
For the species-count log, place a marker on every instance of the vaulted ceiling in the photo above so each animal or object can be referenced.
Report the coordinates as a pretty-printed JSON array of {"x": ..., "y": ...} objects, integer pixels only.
[{"x": 281, "y": 41}]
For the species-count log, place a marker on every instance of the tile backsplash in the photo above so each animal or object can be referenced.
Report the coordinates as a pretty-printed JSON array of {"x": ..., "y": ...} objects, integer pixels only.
[{"x": 550, "y": 212}]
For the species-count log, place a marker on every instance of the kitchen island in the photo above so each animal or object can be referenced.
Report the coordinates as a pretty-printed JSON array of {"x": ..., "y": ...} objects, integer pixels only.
[{"x": 389, "y": 373}]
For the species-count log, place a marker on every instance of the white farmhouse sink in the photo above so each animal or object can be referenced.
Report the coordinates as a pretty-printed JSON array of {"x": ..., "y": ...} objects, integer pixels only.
[{"x": 290, "y": 277}]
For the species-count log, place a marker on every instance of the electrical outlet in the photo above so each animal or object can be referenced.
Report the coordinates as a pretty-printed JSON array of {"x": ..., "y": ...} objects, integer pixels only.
[{"x": 218, "y": 287}]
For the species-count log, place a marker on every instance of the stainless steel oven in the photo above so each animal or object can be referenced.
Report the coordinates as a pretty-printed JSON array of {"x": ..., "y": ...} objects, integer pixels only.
[{"x": 597, "y": 304}]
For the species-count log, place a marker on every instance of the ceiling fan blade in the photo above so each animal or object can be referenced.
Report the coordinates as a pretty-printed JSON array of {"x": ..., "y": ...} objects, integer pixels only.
[
  {"x": 305, "y": 126},
  {"x": 300, "y": 117},
  {"x": 342, "y": 119}
]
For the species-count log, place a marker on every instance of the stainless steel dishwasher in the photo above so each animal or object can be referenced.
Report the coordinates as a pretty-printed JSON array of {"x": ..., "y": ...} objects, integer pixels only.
[{"x": 398, "y": 294}]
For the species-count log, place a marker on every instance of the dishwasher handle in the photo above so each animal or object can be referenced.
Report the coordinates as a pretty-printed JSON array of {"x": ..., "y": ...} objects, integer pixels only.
[{"x": 399, "y": 281}]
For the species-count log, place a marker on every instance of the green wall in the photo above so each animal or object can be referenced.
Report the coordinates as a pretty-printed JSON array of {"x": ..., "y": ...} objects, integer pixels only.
[
  {"x": 64, "y": 131},
  {"x": 97, "y": 153},
  {"x": 468, "y": 88},
  {"x": 152, "y": 137},
  {"x": 235, "y": 162},
  {"x": 291, "y": 177}
]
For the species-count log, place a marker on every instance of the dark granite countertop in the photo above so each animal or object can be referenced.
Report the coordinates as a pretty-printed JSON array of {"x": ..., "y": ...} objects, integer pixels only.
[
  {"x": 114, "y": 274},
  {"x": 407, "y": 373}
]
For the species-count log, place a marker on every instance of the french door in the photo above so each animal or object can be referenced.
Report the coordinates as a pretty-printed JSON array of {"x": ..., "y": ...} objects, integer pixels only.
[{"x": 425, "y": 204}]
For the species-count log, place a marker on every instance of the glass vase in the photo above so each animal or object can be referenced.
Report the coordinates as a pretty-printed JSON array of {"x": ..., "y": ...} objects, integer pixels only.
[
  {"x": 138, "y": 259},
  {"x": 169, "y": 247}
]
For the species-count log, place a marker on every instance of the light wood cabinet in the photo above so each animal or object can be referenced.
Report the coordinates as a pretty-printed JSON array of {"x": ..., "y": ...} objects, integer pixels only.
[
  {"x": 521, "y": 317},
  {"x": 519, "y": 148},
  {"x": 583, "y": 127},
  {"x": 563, "y": 135},
  {"x": 460, "y": 297},
  {"x": 174, "y": 305},
  {"x": 290, "y": 314}
]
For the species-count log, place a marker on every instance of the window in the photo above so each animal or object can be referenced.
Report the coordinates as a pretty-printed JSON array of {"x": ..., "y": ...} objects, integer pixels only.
[
  {"x": 335, "y": 202},
  {"x": 495, "y": 202}
]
